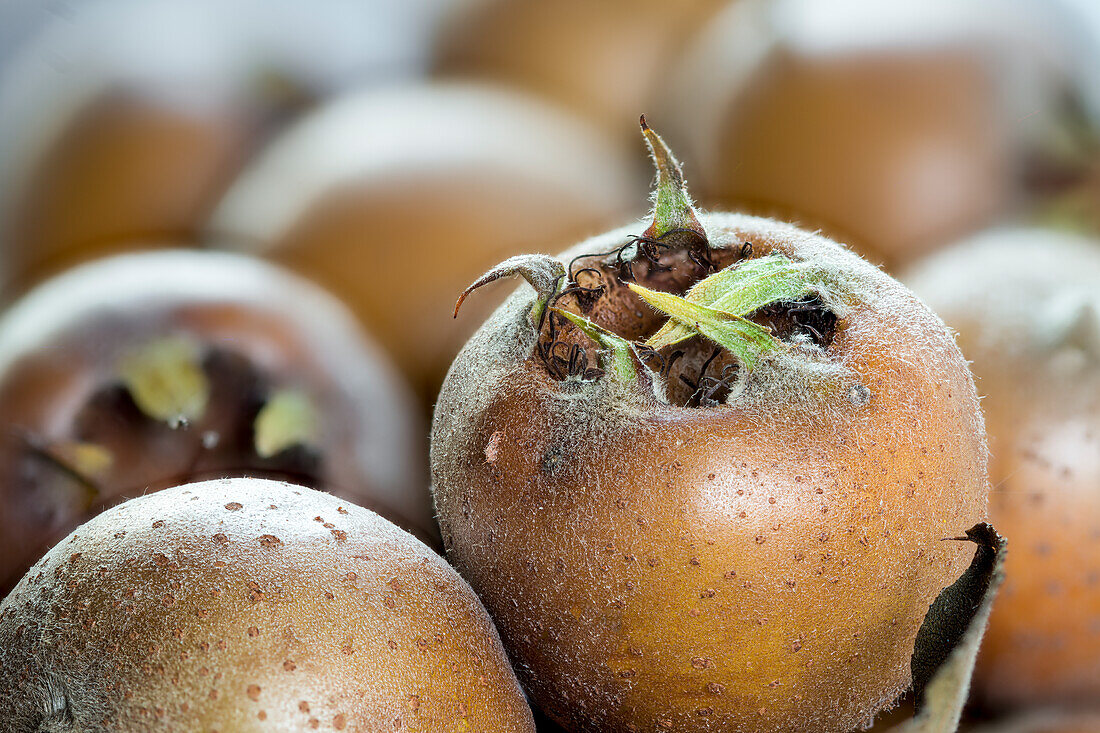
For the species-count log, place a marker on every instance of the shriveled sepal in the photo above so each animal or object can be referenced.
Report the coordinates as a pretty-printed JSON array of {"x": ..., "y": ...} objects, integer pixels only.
[
  {"x": 544, "y": 273},
  {"x": 288, "y": 418},
  {"x": 89, "y": 459},
  {"x": 948, "y": 640},
  {"x": 82, "y": 462}
]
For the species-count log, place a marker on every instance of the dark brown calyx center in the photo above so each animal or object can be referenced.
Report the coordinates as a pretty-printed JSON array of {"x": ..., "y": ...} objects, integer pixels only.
[
  {"x": 696, "y": 372},
  {"x": 114, "y": 449},
  {"x": 808, "y": 320}
]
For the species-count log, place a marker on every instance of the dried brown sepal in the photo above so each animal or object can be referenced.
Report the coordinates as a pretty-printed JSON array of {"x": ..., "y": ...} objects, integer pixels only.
[
  {"x": 543, "y": 272},
  {"x": 620, "y": 358},
  {"x": 947, "y": 643}
]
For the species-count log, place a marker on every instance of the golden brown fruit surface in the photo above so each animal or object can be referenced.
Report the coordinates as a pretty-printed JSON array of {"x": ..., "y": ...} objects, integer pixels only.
[
  {"x": 126, "y": 167},
  {"x": 761, "y": 564},
  {"x": 77, "y": 438},
  {"x": 430, "y": 184},
  {"x": 250, "y": 605},
  {"x": 1025, "y": 304},
  {"x": 896, "y": 126}
]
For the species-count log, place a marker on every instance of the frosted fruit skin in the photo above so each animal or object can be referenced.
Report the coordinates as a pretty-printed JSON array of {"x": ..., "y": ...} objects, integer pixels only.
[
  {"x": 251, "y": 605},
  {"x": 165, "y": 163},
  {"x": 600, "y": 76},
  {"x": 1025, "y": 304},
  {"x": 123, "y": 121},
  {"x": 653, "y": 567}
]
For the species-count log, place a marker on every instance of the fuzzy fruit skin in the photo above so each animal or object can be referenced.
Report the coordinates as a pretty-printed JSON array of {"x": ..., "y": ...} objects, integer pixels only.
[
  {"x": 764, "y": 565},
  {"x": 895, "y": 126},
  {"x": 1025, "y": 305},
  {"x": 431, "y": 184},
  {"x": 59, "y": 352},
  {"x": 250, "y": 605}
]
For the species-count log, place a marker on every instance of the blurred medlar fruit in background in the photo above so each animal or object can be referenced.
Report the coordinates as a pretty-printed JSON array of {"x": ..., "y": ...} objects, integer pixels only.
[
  {"x": 427, "y": 185},
  {"x": 1026, "y": 306},
  {"x": 148, "y": 370}
]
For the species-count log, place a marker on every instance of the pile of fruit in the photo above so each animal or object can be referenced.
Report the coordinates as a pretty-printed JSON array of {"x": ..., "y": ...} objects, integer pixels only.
[{"x": 812, "y": 445}]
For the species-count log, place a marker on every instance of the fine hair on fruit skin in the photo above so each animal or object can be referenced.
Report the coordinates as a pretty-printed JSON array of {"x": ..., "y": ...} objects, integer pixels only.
[
  {"x": 761, "y": 560},
  {"x": 269, "y": 375},
  {"x": 249, "y": 605}
]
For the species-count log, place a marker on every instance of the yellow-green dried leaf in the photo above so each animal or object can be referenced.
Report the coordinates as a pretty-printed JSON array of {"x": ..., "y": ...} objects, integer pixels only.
[
  {"x": 746, "y": 340},
  {"x": 289, "y": 418},
  {"x": 740, "y": 290},
  {"x": 166, "y": 380}
]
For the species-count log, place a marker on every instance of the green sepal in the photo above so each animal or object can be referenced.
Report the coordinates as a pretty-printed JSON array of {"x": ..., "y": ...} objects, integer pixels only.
[
  {"x": 672, "y": 207},
  {"x": 288, "y": 418},
  {"x": 620, "y": 359},
  {"x": 740, "y": 290},
  {"x": 166, "y": 380},
  {"x": 746, "y": 340}
]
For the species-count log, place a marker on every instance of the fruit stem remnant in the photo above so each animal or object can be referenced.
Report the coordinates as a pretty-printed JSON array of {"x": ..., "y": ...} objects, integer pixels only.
[
  {"x": 673, "y": 211},
  {"x": 717, "y": 307},
  {"x": 621, "y": 361},
  {"x": 544, "y": 273}
]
